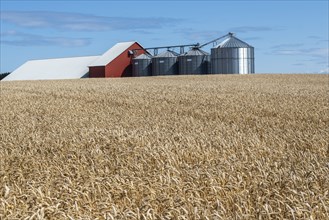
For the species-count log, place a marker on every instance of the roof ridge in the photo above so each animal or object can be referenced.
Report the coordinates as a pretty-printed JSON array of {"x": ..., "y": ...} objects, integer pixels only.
[{"x": 112, "y": 53}]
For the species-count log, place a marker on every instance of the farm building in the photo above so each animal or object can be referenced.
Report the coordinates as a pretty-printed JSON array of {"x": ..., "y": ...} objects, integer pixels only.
[
  {"x": 229, "y": 55},
  {"x": 116, "y": 62},
  {"x": 63, "y": 68}
]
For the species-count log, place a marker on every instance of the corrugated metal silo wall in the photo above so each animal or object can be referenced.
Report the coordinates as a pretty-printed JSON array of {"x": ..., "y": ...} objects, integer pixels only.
[
  {"x": 232, "y": 60},
  {"x": 142, "y": 67},
  {"x": 194, "y": 64},
  {"x": 164, "y": 66}
]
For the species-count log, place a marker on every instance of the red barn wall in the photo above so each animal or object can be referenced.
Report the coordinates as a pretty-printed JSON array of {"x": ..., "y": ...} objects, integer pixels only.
[
  {"x": 121, "y": 65},
  {"x": 96, "y": 71}
]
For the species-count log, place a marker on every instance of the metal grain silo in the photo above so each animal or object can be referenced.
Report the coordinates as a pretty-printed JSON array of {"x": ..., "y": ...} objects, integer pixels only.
[
  {"x": 165, "y": 64},
  {"x": 142, "y": 65},
  {"x": 195, "y": 61},
  {"x": 232, "y": 56}
]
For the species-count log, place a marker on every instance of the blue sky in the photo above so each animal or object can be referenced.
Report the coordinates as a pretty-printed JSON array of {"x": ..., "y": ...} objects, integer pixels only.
[{"x": 288, "y": 36}]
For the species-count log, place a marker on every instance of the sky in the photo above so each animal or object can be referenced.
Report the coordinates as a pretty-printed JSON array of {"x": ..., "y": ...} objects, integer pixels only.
[{"x": 288, "y": 36}]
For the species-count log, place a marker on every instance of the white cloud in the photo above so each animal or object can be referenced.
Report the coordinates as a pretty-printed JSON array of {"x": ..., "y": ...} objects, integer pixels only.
[
  {"x": 293, "y": 45},
  {"x": 23, "y": 39},
  {"x": 326, "y": 70},
  {"x": 82, "y": 22},
  {"x": 313, "y": 52},
  {"x": 245, "y": 29},
  {"x": 206, "y": 35}
]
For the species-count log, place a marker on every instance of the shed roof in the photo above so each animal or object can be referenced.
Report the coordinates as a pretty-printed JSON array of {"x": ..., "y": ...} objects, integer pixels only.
[
  {"x": 62, "y": 68},
  {"x": 168, "y": 53},
  {"x": 233, "y": 42},
  {"x": 143, "y": 56},
  {"x": 112, "y": 53},
  {"x": 195, "y": 52}
]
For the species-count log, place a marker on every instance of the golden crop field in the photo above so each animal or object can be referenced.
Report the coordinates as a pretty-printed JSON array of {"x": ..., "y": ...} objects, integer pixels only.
[{"x": 176, "y": 147}]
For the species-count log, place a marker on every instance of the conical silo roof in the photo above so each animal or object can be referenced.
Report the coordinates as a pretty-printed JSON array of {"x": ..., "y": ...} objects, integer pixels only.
[
  {"x": 196, "y": 52},
  {"x": 168, "y": 53},
  {"x": 143, "y": 57},
  {"x": 233, "y": 42}
]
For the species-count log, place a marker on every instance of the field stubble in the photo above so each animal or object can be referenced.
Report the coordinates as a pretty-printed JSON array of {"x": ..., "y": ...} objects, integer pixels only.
[{"x": 183, "y": 147}]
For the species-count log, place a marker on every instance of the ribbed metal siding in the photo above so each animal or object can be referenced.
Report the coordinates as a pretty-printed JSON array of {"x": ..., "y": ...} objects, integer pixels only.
[
  {"x": 232, "y": 60},
  {"x": 142, "y": 66},
  {"x": 162, "y": 65},
  {"x": 198, "y": 64}
]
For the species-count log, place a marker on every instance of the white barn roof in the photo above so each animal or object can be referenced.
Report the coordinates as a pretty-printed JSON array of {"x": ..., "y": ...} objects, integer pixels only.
[
  {"x": 63, "y": 68},
  {"x": 112, "y": 53}
]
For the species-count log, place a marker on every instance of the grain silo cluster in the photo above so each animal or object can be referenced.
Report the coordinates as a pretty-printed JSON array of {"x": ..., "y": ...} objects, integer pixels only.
[{"x": 230, "y": 56}]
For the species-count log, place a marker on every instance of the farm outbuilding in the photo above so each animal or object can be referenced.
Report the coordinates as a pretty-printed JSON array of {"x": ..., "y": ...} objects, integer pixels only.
[
  {"x": 62, "y": 68},
  {"x": 195, "y": 61},
  {"x": 116, "y": 62},
  {"x": 232, "y": 56},
  {"x": 165, "y": 64},
  {"x": 142, "y": 65},
  {"x": 229, "y": 55}
]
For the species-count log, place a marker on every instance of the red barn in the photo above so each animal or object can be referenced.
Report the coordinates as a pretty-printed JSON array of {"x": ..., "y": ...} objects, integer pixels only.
[{"x": 116, "y": 62}]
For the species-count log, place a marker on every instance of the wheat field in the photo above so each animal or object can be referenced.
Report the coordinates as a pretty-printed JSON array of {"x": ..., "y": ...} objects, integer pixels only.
[{"x": 175, "y": 147}]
